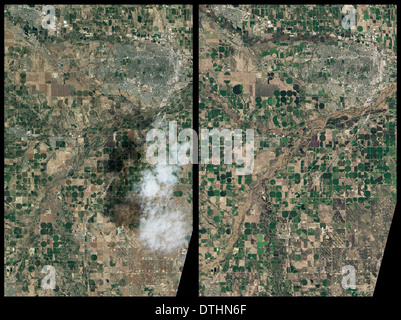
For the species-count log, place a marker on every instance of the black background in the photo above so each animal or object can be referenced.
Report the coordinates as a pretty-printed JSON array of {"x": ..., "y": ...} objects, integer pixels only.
[{"x": 386, "y": 294}]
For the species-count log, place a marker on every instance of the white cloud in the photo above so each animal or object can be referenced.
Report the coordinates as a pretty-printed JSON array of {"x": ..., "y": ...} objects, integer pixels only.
[{"x": 163, "y": 226}]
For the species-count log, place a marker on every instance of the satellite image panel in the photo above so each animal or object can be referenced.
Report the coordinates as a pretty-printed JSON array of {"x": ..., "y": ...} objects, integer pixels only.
[
  {"x": 316, "y": 84},
  {"x": 85, "y": 213}
]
